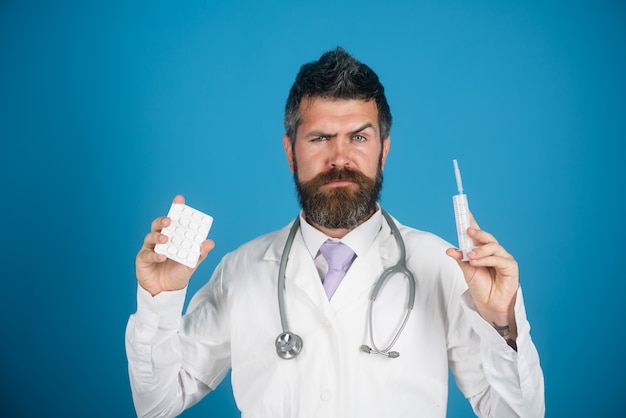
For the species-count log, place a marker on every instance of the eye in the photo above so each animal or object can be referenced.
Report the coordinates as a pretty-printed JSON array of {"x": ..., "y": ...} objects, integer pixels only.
[
  {"x": 319, "y": 138},
  {"x": 359, "y": 138}
]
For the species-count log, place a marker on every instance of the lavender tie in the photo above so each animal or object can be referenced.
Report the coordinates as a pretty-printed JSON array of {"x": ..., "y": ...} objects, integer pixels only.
[{"x": 339, "y": 257}]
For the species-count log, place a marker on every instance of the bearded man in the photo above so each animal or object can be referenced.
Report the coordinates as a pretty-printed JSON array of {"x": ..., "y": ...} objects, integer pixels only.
[{"x": 351, "y": 357}]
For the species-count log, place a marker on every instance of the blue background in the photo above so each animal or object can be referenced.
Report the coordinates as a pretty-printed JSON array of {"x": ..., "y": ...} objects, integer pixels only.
[{"x": 109, "y": 109}]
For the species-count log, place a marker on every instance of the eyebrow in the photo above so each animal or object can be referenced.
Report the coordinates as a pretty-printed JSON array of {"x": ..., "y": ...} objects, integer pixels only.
[
  {"x": 362, "y": 128},
  {"x": 356, "y": 131}
]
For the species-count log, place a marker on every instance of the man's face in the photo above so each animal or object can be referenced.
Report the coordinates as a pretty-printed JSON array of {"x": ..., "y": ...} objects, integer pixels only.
[{"x": 337, "y": 160}]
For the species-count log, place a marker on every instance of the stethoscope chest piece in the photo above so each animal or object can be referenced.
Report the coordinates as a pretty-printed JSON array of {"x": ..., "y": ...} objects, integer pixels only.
[{"x": 288, "y": 345}]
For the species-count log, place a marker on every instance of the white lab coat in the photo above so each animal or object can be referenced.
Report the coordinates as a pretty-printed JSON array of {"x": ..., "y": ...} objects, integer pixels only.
[{"x": 233, "y": 321}]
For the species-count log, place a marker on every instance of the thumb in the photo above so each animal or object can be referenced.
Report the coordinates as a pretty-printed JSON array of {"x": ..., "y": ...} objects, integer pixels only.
[
  {"x": 457, "y": 255},
  {"x": 206, "y": 247}
]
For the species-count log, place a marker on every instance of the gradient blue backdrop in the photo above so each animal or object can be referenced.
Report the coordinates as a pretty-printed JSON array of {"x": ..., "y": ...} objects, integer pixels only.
[{"x": 109, "y": 109}]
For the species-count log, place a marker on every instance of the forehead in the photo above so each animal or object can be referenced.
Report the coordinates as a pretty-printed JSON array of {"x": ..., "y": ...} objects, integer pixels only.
[{"x": 317, "y": 112}]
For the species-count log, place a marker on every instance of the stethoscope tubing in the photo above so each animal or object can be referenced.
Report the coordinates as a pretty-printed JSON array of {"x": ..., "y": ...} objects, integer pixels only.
[{"x": 289, "y": 344}]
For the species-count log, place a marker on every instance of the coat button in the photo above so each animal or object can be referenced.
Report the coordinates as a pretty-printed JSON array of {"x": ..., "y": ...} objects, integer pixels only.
[{"x": 326, "y": 395}]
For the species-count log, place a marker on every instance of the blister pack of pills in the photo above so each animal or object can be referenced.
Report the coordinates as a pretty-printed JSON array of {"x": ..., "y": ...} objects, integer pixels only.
[{"x": 186, "y": 233}]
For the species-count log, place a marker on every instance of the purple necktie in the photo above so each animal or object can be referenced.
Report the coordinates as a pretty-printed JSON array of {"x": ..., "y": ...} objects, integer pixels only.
[{"x": 339, "y": 257}]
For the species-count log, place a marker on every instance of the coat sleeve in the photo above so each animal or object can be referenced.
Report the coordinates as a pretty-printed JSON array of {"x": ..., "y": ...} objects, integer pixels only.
[
  {"x": 515, "y": 378},
  {"x": 159, "y": 385},
  {"x": 205, "y": 332}
]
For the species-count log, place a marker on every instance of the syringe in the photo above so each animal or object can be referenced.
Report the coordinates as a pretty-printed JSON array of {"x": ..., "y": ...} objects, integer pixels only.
[{"x": 462, "y": 215}]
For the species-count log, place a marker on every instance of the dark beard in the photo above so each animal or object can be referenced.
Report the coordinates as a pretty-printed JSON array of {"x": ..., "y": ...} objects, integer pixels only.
[{"x": 339, "y": 207}]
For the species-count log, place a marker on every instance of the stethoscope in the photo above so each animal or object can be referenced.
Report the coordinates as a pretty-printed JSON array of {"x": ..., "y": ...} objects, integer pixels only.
[{"x": 289, "y": 345}]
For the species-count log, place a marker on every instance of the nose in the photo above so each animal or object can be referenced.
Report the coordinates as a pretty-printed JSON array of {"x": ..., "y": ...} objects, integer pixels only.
[{"x": 340, "y": 153}]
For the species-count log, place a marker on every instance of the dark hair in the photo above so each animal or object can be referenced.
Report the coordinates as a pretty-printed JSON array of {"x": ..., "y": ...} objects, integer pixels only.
[{"x": 336, "y": 75}]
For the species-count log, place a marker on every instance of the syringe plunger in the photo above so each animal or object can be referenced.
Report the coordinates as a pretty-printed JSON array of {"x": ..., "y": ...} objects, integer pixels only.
[{"x": 462, "y": 215}]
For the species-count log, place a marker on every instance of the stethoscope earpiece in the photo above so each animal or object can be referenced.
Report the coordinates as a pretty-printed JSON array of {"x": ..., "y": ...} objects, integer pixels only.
[{"x": 288, "y": 345}]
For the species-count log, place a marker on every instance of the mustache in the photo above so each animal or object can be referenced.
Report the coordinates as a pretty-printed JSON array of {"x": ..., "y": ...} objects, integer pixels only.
[{"x": 336, "y": 174}]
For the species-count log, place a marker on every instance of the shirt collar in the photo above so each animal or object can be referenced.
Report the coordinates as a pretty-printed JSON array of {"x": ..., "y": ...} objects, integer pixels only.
[{"x": 359, "y": 239}]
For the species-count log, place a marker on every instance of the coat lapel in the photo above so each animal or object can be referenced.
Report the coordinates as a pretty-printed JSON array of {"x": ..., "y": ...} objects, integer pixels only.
[
  {"x": 303, "y": 285},
  {"x": 366, "y": 270}
]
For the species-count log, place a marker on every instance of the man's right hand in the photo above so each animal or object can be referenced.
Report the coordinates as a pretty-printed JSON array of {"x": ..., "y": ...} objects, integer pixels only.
[{"x": 155, "y": 272}]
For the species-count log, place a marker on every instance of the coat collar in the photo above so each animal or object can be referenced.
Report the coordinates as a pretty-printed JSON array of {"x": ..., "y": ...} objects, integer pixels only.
[{"x": 388, "y": 250}]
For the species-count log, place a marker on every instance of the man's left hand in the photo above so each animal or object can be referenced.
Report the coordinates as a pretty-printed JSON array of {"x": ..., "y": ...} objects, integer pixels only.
[{"x": 492, "y": 276}]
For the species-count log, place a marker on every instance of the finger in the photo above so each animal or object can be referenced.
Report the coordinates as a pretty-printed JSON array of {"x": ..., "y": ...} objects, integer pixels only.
[
  {"x": 159, "y": 223},
  {"x": 502, "y": 264},
  {"x": 480, "y": 237},
  {"x": 487, "y": 250},
  {"x": 457, "y": 255},
  {"x": 163, "y": 221},
  {"x": 473, "y": 223},
  {"x": 206, "y": 247},
  {"x": 153, "y": 238},
  {"x": 147, "y": 256}
]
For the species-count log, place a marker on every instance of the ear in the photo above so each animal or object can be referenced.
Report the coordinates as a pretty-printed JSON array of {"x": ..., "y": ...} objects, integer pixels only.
[
  {"x": 288, "y": 151},
  {"x": 385, "y": 151}
]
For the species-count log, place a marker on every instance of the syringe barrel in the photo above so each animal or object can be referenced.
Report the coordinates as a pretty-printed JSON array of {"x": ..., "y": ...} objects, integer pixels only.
[{"x": 462, "y": 216}]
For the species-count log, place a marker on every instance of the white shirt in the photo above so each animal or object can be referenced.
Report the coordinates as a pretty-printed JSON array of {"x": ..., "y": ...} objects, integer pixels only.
[
  {"x": 359, "y": 239},
  {"x": 233, "y": 321}
]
